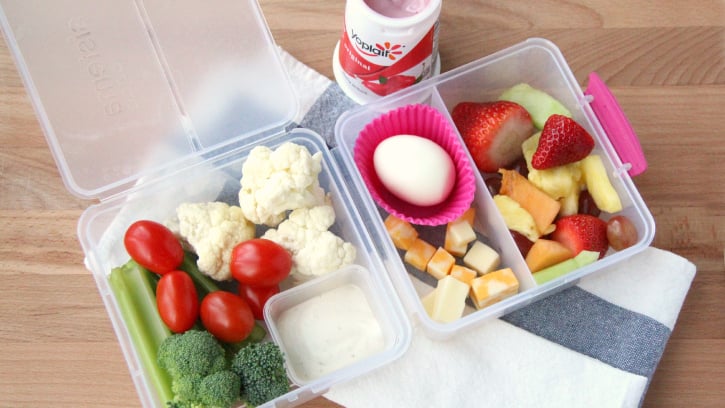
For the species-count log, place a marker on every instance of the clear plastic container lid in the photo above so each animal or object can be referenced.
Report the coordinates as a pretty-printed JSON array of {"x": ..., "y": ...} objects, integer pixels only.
[{"x": 129, "y": 89}]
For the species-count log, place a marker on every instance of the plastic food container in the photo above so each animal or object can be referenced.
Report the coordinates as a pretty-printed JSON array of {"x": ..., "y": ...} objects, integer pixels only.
[
  {"x": 160, "y": 102},
  {"x": 539, "y": 63}
]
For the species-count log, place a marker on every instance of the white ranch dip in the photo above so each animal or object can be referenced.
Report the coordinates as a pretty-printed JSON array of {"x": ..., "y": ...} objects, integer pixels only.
[{"x": 329, "y": 332}]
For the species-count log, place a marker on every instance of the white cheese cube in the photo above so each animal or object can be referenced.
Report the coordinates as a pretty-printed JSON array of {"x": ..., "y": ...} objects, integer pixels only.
[
  {"x": 450, "y": 300},
  {"x": 482, "y": 258}
]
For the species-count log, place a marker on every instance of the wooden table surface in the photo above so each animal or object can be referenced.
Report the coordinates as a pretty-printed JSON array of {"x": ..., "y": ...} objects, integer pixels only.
[{"x": 664, "y": 61}]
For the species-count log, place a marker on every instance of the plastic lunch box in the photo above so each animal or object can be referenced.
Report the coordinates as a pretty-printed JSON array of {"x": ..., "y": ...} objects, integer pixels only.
[{"x": 160, "y": 102}]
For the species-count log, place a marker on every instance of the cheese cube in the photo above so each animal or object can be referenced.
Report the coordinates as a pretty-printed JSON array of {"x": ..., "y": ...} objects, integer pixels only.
[
  {"x": 440, "y": 264},
  {"x": 469, "y": 215},
  {"x": 493, "y": 287},
  {"x": 463, "y": 274},
  {"x": 428, "y": 301},
  {"x": 459, "y": 234},
  {"x": 450, "y": 300},
  {"x": 419, "y": 253},
  {"x": 401, "y": 232},
  {"x": 482, "y": 258}
]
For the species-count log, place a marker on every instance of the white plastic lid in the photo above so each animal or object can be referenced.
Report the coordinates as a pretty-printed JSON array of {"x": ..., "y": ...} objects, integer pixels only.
[{"x": 128, "y": 89}]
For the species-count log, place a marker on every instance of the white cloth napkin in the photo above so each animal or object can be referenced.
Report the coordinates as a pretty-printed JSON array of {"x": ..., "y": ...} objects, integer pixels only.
[{"x": 596, "y": 344}]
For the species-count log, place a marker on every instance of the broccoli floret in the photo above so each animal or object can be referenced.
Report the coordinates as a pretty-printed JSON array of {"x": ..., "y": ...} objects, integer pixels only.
[
  {"x": 260, "y": 366},
  {"x": 199, "y": 371}
]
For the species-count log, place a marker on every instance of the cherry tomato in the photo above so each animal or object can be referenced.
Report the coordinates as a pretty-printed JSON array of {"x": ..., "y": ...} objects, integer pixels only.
[
  {"x": 227, "y": 316},
  {"x": 177, "y": 301},
  {"x": 257, "y": 296},
  {"x": 260, "y": 262},
  {"x": 153, "y": 246}
]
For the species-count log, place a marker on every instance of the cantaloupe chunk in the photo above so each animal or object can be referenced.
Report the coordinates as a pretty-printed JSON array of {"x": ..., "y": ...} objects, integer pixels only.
[
  {"x": 463, "y": 274},
  {"x": 419, "y": 253},
  {"x": 440, "y": 263},
  {"x": 546, "y": 252},
  {"x": 536, "y": 202},
  {"x": 493, "y": 287},
  {"x": 401, "y": 232}
]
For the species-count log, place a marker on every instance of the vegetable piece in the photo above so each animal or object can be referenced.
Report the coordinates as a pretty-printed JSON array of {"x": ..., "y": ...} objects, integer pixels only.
[
  {"x": 276, "y": 181},
  {"x": 153, "y": 246},
  {"x": 213, "y": 229},
  {"x": 227, "y": 316},
  {"x": 256, "y": 297},
  {"x": 197, "y": 365},
  {"x": 261, "y": 369},
  {"x": 132, "y": 288},
  {"x": 177, "y": 301},
  {"x": 260, "y": 262}
]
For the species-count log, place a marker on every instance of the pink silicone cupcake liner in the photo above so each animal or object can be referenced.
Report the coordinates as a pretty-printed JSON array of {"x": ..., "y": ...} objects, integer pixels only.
[{"x": 424, "y": 121}]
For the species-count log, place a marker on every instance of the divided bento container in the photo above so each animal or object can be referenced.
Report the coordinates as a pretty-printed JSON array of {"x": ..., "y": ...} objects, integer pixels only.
[
  {"x": 161, "y": 101},
  {"x": 539, "y": 63}
]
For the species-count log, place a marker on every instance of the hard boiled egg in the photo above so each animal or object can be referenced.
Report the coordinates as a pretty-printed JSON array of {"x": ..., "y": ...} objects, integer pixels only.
[{"x": 415, "y": 169}]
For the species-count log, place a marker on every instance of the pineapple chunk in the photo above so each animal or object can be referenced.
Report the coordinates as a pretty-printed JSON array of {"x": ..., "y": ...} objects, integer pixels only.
[
  {"x": 440, "y": 263},
  {"x": 516, "y": 218},
  {"x": 459, "y": 234},
  {"x": 463, "y": 274},
  {"x": 419, "y": 253},
  {"x": 450, "y": 300},
  {"x": 401, "y": 232},
  {"x": 493, "y": 287},
  {"x": 482, "y": 258},
  {"x": 599, "y": 186}
]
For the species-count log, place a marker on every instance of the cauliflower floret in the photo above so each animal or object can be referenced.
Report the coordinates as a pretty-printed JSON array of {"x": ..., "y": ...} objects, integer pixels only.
[
  {"x": 315, "y": 250},
  {"x": 276, "y": 181},
  {"x": 213, "y": 229}
]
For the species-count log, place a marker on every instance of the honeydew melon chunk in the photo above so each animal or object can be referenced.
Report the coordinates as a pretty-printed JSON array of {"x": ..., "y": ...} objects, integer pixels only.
[
  {"x": 538, "y": 103},
  {"x": 562, "y": 268}
]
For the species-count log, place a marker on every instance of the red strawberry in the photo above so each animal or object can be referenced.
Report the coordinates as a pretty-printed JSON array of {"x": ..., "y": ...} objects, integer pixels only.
[
  {"x": 493, "y": 132},
  {"x": 562, "y": 141},
  {"x": 582, "y": 231}
]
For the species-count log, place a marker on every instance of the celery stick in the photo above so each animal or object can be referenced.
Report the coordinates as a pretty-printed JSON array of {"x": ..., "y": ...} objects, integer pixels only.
[
  {"x": 204, "y": 284},
  {"x": 132, "y": 286}
]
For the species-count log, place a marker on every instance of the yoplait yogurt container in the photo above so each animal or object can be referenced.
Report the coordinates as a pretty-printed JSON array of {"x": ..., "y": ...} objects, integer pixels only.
[{"x": 155, "y": 110}]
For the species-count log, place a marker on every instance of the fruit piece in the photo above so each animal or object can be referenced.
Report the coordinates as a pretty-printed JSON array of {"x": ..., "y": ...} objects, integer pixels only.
[
  {"x": 582, "y": 259},
  {"x": 401, "y": 232},
  {"x": 561, "y": 183},
  {"x": 536, "y": 202},
  {"x": 419, "y": 253},
  {"x": 516, "y": 217},
  {"x": 493, "y": 183},
  {"x": 621, "y": 232},
  {"x": 450, "y": 300},
  {"x": 538, "y": 103},
  {"x": 492, "y": 131},
  {"x": 545, "y": 253},
  {"x": 463, "y": 274},
  {"x": 440, "y": 263},
  {"x": 599, "y": 186},
  {"x": 482, "y": 258},
  {"x": 562, "y": 141},
  {"x": 523, "y": 243},
  {"x": 459, "y": 234},
  {"x": 582, "y": 232},
  {"x": 493, "y": 287},
  {"x": 587, "y": 204},
  {"x": 570, "y": 203}
]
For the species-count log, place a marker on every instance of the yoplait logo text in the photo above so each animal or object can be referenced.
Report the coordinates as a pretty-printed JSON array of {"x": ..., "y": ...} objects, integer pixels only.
[{"x": 385, "y": 50}]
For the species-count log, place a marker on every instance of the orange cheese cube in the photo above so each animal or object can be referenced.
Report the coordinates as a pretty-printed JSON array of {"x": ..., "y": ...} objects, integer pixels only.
[
  {"x": 469, "y": 216},
  {"x": 463, "y": 274},
  {"x": 440, "y": 264},
  {"x": 493, "y": 287},
  {"x": 401, "y": 232},
  {"x": 419, "y": 253}
]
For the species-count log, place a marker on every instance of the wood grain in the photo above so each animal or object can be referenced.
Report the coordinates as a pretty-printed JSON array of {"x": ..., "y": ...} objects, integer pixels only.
[{"x": 664, "y": 60}]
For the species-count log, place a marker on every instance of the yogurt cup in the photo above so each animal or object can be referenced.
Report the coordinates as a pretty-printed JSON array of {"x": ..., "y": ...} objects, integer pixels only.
[{"x": 386, "y": 46}]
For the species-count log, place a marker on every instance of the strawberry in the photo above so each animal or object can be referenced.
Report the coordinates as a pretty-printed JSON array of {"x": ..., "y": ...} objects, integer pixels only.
[
  {"x": 562, "y": 141},
  {"x": 582, "y": 231},
  {"x": 493, "y": 132}
]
